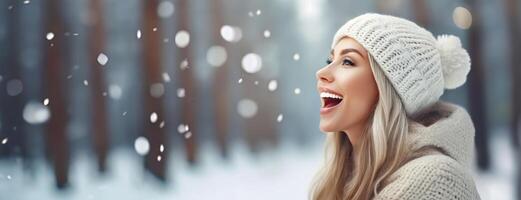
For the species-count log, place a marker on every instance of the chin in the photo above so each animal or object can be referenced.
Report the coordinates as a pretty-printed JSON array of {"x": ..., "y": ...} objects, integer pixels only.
[{"x": 327, "y": 128}]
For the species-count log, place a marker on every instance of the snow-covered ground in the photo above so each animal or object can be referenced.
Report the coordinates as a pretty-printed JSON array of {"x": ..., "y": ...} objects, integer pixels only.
[
  {"x": 282, "y": 173},
  {"x": 279, "y": 174}
]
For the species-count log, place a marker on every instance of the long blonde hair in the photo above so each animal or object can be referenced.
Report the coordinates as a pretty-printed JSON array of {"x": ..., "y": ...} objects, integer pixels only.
[{"x": 382, "y": 151}]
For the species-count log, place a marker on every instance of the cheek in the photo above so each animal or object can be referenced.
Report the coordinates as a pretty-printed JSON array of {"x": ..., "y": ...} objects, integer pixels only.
[{"x": 362, "y": 95}]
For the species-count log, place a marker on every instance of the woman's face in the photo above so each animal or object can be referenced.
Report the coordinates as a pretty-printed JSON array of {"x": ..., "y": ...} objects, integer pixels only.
[{"x": 347, "y": 88}]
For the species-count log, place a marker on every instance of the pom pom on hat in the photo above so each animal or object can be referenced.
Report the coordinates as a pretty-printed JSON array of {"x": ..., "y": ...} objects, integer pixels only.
[{"x": 455, "y": 61}]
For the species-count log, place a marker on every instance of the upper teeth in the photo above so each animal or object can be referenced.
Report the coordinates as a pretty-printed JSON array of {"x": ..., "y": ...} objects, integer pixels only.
[{"x": 329, "y": 95}]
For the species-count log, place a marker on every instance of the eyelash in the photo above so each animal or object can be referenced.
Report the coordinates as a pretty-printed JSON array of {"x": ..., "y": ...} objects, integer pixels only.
[{"x": 328, "y": 61}]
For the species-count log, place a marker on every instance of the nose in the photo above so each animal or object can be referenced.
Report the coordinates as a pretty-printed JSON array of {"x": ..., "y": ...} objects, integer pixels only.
[{"x": 324, "y": 75}]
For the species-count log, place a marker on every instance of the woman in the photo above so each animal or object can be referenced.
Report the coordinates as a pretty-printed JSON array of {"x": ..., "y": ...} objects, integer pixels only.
[{"x": 388, "y": 134}]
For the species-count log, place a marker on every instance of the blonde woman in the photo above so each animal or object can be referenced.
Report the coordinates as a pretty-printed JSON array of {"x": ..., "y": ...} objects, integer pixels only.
[{"x": 388, "y": 134}]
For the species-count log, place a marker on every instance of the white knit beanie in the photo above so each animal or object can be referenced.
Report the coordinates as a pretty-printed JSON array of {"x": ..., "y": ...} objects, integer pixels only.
[{"x": 418, "y": 65}]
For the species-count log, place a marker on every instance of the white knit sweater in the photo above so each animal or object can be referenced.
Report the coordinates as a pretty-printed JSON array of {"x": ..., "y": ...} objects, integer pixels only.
[{"x": 442, "y": 175}]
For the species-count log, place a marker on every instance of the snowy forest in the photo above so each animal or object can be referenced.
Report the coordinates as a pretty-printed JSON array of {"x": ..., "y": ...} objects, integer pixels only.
[{"x": 215, "y": 99}]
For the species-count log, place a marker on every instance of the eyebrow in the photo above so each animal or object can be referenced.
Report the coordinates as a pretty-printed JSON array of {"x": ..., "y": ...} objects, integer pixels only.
[{"x": 345, "y": 51}]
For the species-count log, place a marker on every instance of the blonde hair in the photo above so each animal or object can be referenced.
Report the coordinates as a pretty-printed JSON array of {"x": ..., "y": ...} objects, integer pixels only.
[{"x": 382, "y": 151}]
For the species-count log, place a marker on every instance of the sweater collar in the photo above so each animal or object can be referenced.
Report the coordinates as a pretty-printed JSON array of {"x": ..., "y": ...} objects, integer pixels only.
[{"x": 450, "y": 129}]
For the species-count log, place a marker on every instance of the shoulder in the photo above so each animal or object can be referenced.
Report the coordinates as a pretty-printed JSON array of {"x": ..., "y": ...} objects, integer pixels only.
[{"x": 430, "y": 177}]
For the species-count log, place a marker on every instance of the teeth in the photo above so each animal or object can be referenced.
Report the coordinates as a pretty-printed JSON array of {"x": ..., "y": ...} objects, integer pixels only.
[{"x": 329, "y": 95}]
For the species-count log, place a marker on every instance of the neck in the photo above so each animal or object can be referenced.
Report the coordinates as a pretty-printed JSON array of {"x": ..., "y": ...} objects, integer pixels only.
[{"x": 355, "y": 135}]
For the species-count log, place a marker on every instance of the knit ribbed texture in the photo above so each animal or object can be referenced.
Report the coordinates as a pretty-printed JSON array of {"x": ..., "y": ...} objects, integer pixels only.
[
  {"x": 418, "y": 65},
  {"x": 432, "y": 177},
  {"x": 437, "y": 176}
]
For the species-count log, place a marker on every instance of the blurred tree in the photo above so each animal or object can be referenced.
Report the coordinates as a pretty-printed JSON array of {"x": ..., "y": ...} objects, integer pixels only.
[
  {"x": 99, "y": 115},
  {"x": 220, "y": 86},
  {"x": 514, "y": 29},
  {"x": 512, "y": 17},
  {"x": 187, "y": 82},
  {"x": 421, "y": 13},
  {"x": 56, "y": 138},
  {"x": 156, "y": 159},
  {"x": 476, "y": 80},
  {"x": 12, "y": 95}
]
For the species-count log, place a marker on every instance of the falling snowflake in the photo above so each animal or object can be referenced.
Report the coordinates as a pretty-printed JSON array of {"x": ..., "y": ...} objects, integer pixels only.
[
  {"x": 462, "y": 17},
  {"x": 296, "y": 56},
  {"x": 188, "y": 135},
  {"x": 161, "y": 148},
  {"x": 247, "y": 108},
  {"x": 162, "y": 124},
  {"x": 258, "y": 12},
  {"x": 157, "y": 90},
  {"x": 279, "y": 118},
  {"x": 14, "y": 87},
  {"x": 181, "y": 92},
  {"x": 297, "y": 91},
  {"x": 124, "y": 113},
  {"x": 153, "y": 117},
  {"x": 231, "y": 33},
  {"x": 115, "y": 91},
  {"x": 184, "y": 64},
  {"x": 46, "y": 101},
  {"x": 102, "y": 59},
  {"x": 4, "y": 141},
  {"x": 182, "y": 38},
  {"x": 27, "y": 2},
  {"x": 239, "y": 81},
  {"x": 166, "y": 77},
  {"x": 36, "y": 113},
  {"x": 141, "y": 145},
  {"x": 159, "y": 158},
  {"x": 267, "y": 34},
  {"x": 85, "y": 82},
  {"x": 138, "y": 34},
  {"x": 183, "y": 128},
  {"x": 216, "y": 56},
  {"x": 9, "y": 177},
  {"x": 251, "y": 63},
  {"x": 49, "y": 36},
  {"x": 272, "y": 85},
  {"x": 165, "y": 9}
]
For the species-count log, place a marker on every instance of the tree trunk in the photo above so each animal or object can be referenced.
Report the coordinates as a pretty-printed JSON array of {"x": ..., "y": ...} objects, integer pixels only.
[
  {"x": 155, "y": 160},
  {"x": 11, "y": 110},
  {"x": 220, "y": 85},
  {"x": 56, "y": 138},
  {"x": 99, "y": 115},
  {"x": 188, "y": 102},
  {"x": 476, "y": 78},
  {"x": 512, "y": 17}
]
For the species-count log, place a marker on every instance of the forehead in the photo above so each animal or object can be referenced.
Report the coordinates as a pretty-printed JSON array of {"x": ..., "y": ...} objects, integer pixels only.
[{"x": 348, "y": 43}]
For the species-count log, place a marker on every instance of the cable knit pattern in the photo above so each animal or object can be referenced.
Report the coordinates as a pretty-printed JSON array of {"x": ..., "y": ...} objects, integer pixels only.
[
  {"x": 414, "y": 61},
  {"x": 437, "y": 176}
]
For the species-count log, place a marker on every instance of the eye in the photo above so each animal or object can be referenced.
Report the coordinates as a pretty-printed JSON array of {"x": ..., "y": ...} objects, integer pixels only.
[
  {"x": 347, "y": 62},
  {"x": 329, "y": 61}
]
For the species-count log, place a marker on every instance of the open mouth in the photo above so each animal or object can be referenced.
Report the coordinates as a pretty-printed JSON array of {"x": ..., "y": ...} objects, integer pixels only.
[{"x": 330, "y": 100}]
